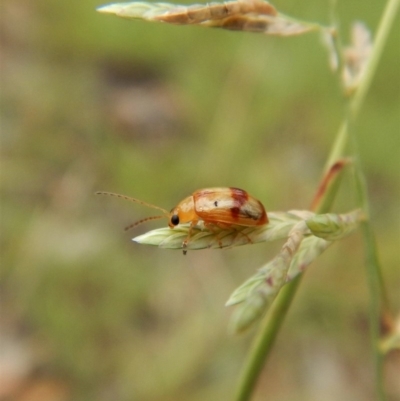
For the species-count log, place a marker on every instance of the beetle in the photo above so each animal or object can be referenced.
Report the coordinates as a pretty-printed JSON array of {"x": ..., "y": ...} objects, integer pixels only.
[{"x": 222, "y": 207}]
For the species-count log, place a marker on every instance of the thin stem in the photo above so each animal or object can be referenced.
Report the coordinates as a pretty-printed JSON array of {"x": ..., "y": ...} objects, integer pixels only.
[
  {"x": 379, "y": 309},
  {"x": 339, "y": 145},
  {"x": 374, "y": 278},
  {"x": 385, "y": 317},
  {"x": 273, "y": 320},
  {"x": 336, "y": 39},
  {"x": 265, "y": 338},
  {"x": 385, "y": 25}
]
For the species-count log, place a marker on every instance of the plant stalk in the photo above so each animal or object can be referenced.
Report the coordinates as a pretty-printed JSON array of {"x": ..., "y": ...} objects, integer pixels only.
[{"x": 274, "y": 319}]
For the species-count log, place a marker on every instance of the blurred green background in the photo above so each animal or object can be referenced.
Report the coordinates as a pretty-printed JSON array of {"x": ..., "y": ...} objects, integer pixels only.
[{"x": 92, "y": 102}]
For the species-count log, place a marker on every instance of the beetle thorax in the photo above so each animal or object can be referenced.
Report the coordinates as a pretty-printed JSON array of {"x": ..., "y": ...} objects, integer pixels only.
[{"x": 185, "y": 211}]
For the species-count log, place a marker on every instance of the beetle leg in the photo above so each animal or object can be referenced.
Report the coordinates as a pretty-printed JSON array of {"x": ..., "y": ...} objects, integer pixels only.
[
  {"x": 211, "y": 227},
  {"x": 226, "y": 226},
  {"x": 185, "y": 242},
  {"x": 242, "y": 233}
]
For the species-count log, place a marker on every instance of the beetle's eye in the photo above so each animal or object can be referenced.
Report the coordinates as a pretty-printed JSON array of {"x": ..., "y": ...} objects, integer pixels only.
[{"x": 175, "y": 219}]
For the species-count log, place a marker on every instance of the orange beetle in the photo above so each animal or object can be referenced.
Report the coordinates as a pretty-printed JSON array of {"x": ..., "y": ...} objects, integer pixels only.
[{"x": 222, "y": 207}]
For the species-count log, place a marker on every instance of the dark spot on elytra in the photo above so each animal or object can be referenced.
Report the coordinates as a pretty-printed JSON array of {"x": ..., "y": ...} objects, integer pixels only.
[
  {"x": 239, "y": 195},
  {"x": 215, "y": 203},
  {"x": 235, "y": 211},
  {"x": 251, "y": 215}
]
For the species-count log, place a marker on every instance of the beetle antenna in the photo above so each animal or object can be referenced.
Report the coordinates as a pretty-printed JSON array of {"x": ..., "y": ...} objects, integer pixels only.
[
  {"x": 143, "y": 220},
  {"x": 133, "y": 200}
]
